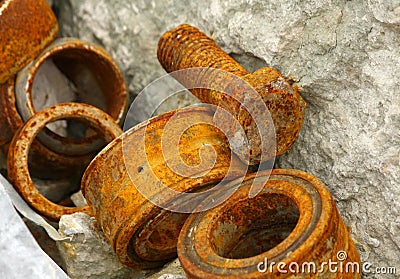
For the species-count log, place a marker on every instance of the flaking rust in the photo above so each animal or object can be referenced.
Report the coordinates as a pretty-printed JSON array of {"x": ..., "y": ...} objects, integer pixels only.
[
  {"x": 143, "y": 234},
  {"x": 293, "y": 221},
  {"x": 17, "y": 159},
  {"x": 187, "y": 47},
  {"x": 26, "y": 28},
  {"x": 97, "y": 81},
  {"x": 88, "y": 67},
  {"x": 43, "y": 163}
]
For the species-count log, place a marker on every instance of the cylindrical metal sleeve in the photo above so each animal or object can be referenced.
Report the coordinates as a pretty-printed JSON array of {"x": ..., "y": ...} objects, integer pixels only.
[
  {"x": 17, "y": 161},
  {"x": 291, "y": 229}
]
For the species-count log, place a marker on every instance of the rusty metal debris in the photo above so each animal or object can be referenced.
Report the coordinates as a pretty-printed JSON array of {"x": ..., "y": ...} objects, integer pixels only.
[
  {"x": 186, "y": 47},
  {"x": 26, "y": 28},
  {"x": 43, "y": 163},
  {"x": 143, "y": 234},
  {"x": 17, "y": 161},
  {"x": 97, "y": 81},
  {"x": 130, "y": 188},
  {"x": 293, "y": 220}
]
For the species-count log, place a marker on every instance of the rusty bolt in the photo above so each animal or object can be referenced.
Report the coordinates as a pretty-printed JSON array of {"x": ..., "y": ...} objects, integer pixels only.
[
  {"x": 97, "y": 81},
  {"x": 293, "y": 220},
  {"x": 144, "y": 234},
  {"x": 43, "y": 163},
  {"x": 186, "y": 47},
  {"x": 26, "y": 28},
  {"x": 17, "y": 161}
]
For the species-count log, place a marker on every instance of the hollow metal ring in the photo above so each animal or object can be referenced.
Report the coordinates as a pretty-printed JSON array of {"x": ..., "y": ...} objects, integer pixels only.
[
  {"x": 318, "y": 236},
  {"x": 80, "y": 59},
  {"x": 17, "y": 162},
  {"x": 142, "y": 233}
]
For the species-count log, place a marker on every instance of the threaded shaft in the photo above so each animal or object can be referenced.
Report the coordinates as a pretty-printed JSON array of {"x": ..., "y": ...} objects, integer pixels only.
[{"x": 186, "y": 47}]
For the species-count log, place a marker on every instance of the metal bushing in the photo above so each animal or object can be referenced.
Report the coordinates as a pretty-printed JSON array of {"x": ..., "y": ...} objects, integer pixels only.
[
  {"x": 293, "y": 222},
  {"x": 96, "y": 80},
  {"x": 43, "y": 163},
  {"x": 128, "y": 185},
  {"x": 17, "y": 161},
  {"x": 26, "y": 28}
]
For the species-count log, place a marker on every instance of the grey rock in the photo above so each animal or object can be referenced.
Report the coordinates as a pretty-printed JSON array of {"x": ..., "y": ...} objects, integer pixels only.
[
  {"x": 172, "y": 270},
  {"x": 78, "y": 199},
  {"x": 51, "y": 87},
  {"x": 88, "y": 254},
  {"x": 20, "y": 255},
  {"x": 343, "y": 54},
  {"x": 47, "y": 244}
]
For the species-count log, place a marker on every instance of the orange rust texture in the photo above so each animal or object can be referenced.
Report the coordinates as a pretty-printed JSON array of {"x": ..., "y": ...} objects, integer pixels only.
[
  {"x": 97, "y": 79},
  {"x": 76, "y": 58},
  {"x": 186, "y": 46},
  {"x": 143, "y": 234},
  {"x": 47, "y": 163},
  {"x": 17, "y": 161},
  {"x": 207, "y": 243},
  {"x": 43, "y": 163},
  {"x": 26, "y": 28}
]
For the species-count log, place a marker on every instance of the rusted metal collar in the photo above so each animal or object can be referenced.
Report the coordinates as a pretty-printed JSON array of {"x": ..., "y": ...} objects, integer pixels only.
[
  {"x": 185, "y": 47},
  {"x": 293, "y": 220},
  {"x": 97, "y": 81},
  {"x": 17, "y": 161},
  {"x": 129, "y": 184},
  {"x": 26, "y": 28},
  {"x": 43, "y": 163}
]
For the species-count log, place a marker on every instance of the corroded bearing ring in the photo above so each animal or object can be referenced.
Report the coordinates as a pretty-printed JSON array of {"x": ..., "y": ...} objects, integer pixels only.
[
  {"x": 26, "y": 28},
  {"x": 293, "y": 220},
  {"x": 17, "y": 161},
  {"x": 43, "y": 163},
  {"x": 143, "y": 234},
  {"x": 97, "y": 80}
]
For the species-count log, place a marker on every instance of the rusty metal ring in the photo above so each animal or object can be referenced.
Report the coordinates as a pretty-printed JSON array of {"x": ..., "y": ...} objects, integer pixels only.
[
  {"x": 143, "y": 234},
  {"x": 26, "y": 28},
  {"x": 98, "y": 82},
  {"x": 17, "y": 162},
  {"x": 293, "y": 220},
  {"x": 43, "y": 163}
]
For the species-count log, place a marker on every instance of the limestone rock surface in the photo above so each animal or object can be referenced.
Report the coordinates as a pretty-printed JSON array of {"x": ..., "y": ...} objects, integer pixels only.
[{"x": 88, "y": 255}]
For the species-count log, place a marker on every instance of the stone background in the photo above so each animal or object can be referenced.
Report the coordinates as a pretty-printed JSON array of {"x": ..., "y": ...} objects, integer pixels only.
[{"x": 345, "y": 56}]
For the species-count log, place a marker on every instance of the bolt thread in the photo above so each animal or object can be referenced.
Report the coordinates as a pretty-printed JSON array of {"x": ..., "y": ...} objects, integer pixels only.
[{"x": 187, "y": 47}]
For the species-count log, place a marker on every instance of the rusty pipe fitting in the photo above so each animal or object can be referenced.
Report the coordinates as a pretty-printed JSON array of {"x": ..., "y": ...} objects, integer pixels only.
[
  {"x": 293, "y": 220},
  {"x": 122, "y": 184},
  {"x": 96, "y": 80},
  {"x": 26, "y": 28},
  {"x": 17, "y": 161},
  {"x": 43, "y": 163},
  {"x": 186, "y": 47}
]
